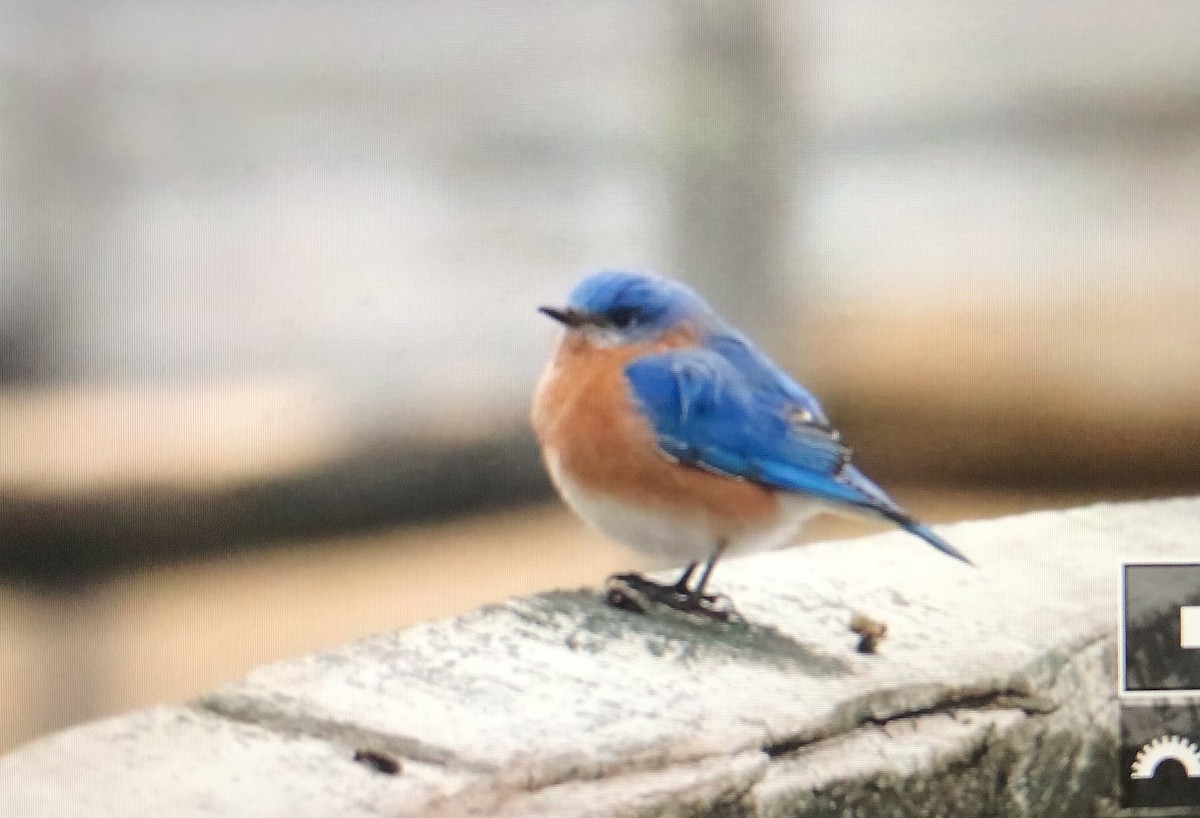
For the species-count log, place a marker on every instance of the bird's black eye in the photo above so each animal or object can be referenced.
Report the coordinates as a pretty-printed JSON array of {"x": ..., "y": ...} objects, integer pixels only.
[{"x": 623, "y": 317}]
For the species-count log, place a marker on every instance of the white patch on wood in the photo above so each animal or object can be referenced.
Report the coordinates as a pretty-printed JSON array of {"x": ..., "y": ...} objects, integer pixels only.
[{"x": 1189, "y": 626}]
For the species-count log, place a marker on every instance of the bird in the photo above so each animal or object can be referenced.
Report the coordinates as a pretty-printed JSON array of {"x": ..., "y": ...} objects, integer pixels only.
[{"x": 665, "y": 428}]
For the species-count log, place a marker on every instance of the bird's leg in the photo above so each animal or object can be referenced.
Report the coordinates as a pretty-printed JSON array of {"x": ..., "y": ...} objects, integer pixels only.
[
  {"x": 715, "y": 606},
  {"x": 696, "y": 595},
  {"x": 681, "y": 584}
]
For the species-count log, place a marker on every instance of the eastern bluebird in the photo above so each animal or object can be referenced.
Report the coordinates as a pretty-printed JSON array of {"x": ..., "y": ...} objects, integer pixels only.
[{"x": 665, "y": 428}]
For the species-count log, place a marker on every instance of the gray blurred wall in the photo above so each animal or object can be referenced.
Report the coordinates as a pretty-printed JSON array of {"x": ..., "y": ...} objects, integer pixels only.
[{"x": 379, "y": 193}]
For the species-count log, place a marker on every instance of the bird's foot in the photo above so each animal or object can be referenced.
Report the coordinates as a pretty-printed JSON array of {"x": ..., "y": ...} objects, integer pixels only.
[{"x": 629, "y": 591}]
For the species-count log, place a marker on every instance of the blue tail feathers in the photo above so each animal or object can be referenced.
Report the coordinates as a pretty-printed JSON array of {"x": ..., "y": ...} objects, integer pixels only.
[
  {"x": 873, "y": 499},
  {"x": 926, "y": 533}
]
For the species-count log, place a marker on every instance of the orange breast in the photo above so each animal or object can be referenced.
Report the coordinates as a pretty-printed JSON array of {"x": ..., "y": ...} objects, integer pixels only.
[{"x": 583, "y": 413}]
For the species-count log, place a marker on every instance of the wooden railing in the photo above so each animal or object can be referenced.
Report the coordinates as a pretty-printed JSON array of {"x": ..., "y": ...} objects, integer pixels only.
[{"x": 992, "y": 692}]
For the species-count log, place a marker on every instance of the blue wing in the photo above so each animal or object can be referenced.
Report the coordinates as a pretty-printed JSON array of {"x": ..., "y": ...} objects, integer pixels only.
[
  {"x": 706, "y": 412},
  {"x": 761, "y": 373}
]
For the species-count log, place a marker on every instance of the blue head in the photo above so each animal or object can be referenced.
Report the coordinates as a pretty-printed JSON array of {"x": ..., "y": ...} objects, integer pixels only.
[{"x": 625, "y": 307}]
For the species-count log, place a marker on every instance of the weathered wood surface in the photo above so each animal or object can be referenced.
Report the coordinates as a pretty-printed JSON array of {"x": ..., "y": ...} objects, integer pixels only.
[{"x": 992, "y": 694}]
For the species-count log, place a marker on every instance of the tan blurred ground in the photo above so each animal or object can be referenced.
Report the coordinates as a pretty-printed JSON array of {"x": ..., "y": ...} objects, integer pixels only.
[{"x": 93, "y": 437}]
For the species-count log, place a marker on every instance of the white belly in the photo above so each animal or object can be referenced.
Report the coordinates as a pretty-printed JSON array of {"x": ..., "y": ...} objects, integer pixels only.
[{"x": 675, "y": 538}]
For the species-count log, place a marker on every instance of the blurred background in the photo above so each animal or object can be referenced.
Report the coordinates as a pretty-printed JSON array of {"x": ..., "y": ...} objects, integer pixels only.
[{"x": 268, "y": 278}]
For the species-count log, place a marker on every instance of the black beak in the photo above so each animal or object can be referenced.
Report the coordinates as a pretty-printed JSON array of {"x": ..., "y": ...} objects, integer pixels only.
[{"x": 567, "y": 316}]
